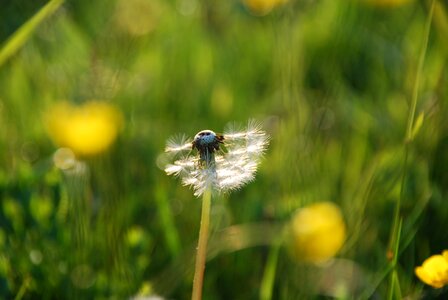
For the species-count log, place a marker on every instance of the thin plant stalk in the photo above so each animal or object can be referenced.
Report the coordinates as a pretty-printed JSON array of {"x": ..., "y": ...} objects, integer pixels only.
[
  {"x": 24, "y": 32},
  {"x": 23, "y": 288},
  {"x": 394, "y": 287},
  {"x": 201, "y": 253},
  {"x": 267, "y": 283},
  {"x": 410, "y": 135},
  {"x": 410, "y": 124}
]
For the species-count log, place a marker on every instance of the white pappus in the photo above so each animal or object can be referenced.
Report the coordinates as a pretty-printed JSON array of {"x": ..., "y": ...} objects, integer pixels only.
[{"x": 220, "y": 162}]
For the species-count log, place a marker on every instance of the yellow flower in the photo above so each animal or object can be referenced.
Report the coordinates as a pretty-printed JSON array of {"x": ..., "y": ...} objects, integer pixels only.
[
  {"x": 137, "y": 17},
  {"x": 262, "y": 7},
  {"x": 87, "y": 130},
  {"x": 434, "y": 270},
  {"x": 316, "y": 232},
  {"x": 387, "y": 3}
]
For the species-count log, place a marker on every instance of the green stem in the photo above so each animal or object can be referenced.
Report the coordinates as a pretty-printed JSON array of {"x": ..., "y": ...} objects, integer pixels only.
[
  {"x": 421, "y": 61},
  {"x": 394, "y": 276},
  {"x": 24, "y": 32},
  {"x": 397, "y": 221},
  {"x": 23, "y": 288},
  {"x": 201, "y": 253},
  {"x": 267, "y": 282},
  {"x": 410, "y": 123}
]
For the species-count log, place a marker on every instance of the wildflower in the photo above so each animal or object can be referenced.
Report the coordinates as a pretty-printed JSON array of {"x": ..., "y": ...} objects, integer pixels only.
[
  {"x": 87, "y": 130},
  {"x": 434, "y": 270},
  {"x": 262, "y": 7},
  {"x": 224, "y": 162},
  {"x": 137, "y": 17},
  {"x": 387, "y": 3},
  {"x": 316, "y": 232}
]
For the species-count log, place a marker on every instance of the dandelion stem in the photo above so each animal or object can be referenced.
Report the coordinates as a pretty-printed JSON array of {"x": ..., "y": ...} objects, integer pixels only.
[{"x": 201, "y": 253}]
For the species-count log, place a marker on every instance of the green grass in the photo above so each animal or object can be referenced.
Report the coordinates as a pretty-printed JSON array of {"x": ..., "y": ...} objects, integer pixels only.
[{"x": 353, "y": 96}]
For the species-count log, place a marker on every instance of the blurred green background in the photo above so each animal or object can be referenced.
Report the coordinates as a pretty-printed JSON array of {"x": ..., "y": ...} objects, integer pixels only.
[{"x": 330, "y": 80}]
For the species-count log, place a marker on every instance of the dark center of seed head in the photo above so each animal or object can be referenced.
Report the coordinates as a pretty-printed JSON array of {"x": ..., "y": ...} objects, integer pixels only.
[{"x": 207, "y": 142}]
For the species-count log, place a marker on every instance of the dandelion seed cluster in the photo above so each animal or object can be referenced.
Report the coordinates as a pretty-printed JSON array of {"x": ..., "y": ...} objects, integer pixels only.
[{"x": 218, "y": 162}]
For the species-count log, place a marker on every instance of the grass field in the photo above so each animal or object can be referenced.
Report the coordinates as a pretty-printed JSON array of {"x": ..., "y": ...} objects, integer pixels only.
[{"x": 349, "y": 198}]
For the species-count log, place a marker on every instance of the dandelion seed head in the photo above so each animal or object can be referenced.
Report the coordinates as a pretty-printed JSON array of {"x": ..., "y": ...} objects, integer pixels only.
[
  {"x": 205, "y": 137},
  {"x": 207, "y": 142},
  {"x": 220, "y": 162}
]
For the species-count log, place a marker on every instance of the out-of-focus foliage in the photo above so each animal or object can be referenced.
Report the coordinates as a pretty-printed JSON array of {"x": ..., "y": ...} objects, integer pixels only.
[{"x": 332, "y": 83}]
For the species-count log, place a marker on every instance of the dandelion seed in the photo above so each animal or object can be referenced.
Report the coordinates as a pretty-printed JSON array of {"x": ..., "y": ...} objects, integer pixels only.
[{"x": 221, "y": 162}]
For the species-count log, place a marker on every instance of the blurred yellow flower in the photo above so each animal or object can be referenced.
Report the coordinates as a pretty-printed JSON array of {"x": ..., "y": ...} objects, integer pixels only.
[
  {"x": 387, "y": 3},
  {"x": 137, "y": 17},
  {"x": 87, "y": 130},
  {"x": 316, "y": 232},
  {"x": 262, "y": 7},
  {"x": 434, "y": 270}
]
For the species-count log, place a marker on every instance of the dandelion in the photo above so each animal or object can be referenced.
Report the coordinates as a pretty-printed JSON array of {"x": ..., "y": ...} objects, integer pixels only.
[
  {"x": 215, "y": 163},
  {"x": 316, "y": 232},
  {"x": 224, "y": 162},
  {"x": 434, "y": 270}
]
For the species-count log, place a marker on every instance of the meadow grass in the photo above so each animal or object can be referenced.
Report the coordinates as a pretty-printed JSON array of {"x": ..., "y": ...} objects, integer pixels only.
[{"x": 353, "y": 95}]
